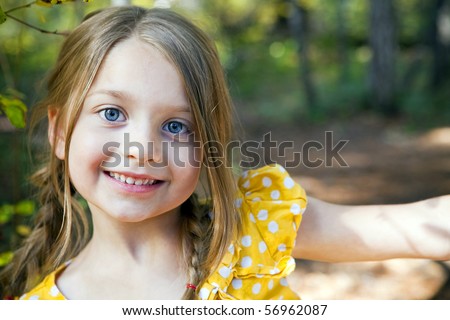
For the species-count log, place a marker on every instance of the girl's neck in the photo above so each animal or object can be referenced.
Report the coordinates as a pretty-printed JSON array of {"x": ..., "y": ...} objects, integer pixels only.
[
  {"x": 136, "y": 242},
  {"x": 128, "y": 260}
]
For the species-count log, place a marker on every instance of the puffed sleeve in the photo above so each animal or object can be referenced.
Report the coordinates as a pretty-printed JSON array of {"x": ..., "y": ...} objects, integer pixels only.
[{"x": 256, "y": 266}]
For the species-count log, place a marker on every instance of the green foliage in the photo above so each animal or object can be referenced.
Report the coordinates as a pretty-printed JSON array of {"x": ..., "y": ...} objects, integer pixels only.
[
  {"x": 5, "y": 258},
  {"x": 12, "y": 104},
  {"x": 14, "y": 220},
  {"x": 24, "y": 208},
  {"x": 2, "y": 15},
  {"x": 14, "y": 109}
]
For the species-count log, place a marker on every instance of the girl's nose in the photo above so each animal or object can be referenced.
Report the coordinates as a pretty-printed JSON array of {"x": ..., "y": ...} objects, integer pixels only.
[{"x": 143, "y": 146}]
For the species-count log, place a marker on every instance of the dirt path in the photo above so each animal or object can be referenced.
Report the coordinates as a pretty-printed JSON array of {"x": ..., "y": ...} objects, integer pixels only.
[{"x": 385, "y": 165}]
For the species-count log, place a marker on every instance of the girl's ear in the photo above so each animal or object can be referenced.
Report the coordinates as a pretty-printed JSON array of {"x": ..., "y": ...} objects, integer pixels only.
[{"x": 59, "y": 141}]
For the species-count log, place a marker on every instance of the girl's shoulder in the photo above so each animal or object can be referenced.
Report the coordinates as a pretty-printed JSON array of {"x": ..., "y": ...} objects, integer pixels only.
[
  {"x": 256, "y": 265},
  {"x": 47, "y": 289}
]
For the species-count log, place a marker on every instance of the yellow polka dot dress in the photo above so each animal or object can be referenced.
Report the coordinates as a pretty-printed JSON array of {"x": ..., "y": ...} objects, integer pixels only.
[
  {"x": 257, "y": 264},
  {"x": 47, "y": 289}
]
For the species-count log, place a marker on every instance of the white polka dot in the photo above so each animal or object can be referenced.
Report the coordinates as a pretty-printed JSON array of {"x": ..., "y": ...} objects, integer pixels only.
[
  {"x": 267, "y": 182},
  {"x": 248, "y": 193},
  {"x": 231, "y": 249},
  {"x": 225, "y": 272},
  {"x": 246, "y": 241},
  {"x": 204, "y": 293},
  {"x": 246, "y": 184},
  {"x": 295, "y": 209},
  {"x": 255, "y": 174},
  {"x": 275, "y": 194},
  {"x": 236, "y": 283},
  {"x": 252, "y": 217},
  {"x": 274, "y": 271},
  {"x": 35, "y": 297},
  {"x": 244, "y": 174},
  {"x": 256, "y": 288},
  {"x": 238, "y": 202},
  {"x": 273, "y": 226},
  {"x": 54, "y": 291},
  {"x": 281, "y": 298},
  {"x": 262, "y": 247},
  {"x": 270, "y": 285},
  {"x": 256, "y": 199},
  {"x": 282, "y": 170},
  {"x": 283, "y": 282},
  {"x": 263, "y": 214},
  {"x": 291, "y": 262},
  {"x": 294, "y": 226},
  {"x": 278, "y": 202},
  {"x": 282, "y": 247},
  {"x": 259, "y": 276},
  {"x": 289, "y": 183},
  {"x": 22, "y": 297},
  {"x": 246, "y": 262}
]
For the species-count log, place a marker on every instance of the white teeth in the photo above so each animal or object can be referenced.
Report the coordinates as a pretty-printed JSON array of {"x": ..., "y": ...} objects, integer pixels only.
[{"x": 130, "y": 180}]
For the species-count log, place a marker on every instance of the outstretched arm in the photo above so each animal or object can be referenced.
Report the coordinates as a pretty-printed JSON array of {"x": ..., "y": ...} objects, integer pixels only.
[{"x": 340, "y": 233}]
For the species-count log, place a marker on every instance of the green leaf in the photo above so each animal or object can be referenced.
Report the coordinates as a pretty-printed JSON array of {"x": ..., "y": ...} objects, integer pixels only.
[
  {"x": 25, "y": 208},
  {"x": 5, "y": 258},
  {"x": 14, "y": 109},
  {"x": 2, "y": 15},
  {"x": 23, "y": 230},
  {"x": 6, "y": 213}
]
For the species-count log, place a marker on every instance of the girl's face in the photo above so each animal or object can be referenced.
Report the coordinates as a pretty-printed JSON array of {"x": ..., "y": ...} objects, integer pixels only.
[{"x": 132, "y": 153}]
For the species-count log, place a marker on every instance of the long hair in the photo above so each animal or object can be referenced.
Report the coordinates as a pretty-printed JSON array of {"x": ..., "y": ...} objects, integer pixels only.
[{"x": 62, "y": 227}]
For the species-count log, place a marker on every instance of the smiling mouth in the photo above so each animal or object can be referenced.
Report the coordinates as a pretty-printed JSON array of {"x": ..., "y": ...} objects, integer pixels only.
[{"x": 132, "y": 181}]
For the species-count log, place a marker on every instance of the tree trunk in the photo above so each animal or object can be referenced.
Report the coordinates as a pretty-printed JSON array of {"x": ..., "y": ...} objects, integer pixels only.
[
  {"x": 439, "y": 45},
  {"x": 342, "y": 41},
  {"x": 383, "y": 44},
  {"x": 298, "y": 24}
]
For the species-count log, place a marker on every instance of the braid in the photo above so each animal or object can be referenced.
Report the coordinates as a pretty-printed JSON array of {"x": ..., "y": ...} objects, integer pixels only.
[
  {"x": 41, "y": 252},
  {"x": 195, "y": 239}
]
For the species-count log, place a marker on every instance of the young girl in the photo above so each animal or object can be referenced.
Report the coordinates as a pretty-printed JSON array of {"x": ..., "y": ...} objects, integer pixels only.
[{"x": 138, "y": 109}]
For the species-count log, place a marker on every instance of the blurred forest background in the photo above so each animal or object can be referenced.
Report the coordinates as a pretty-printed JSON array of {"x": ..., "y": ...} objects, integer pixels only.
[{"x": 374, "y": 72}]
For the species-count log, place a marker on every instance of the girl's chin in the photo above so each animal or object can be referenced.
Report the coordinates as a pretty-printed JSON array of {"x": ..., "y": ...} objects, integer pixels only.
[{"x": 132, "y": 216}]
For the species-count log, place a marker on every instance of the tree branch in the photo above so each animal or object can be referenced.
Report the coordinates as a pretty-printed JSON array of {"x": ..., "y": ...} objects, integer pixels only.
[
  {"x": 20, "y": 7},
  {"x": 36, "y": 28}
]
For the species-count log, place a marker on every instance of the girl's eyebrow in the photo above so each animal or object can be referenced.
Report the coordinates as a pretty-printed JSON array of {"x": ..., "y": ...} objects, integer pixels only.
[
  {"x": 125, "y": 96},
  {"x": 113, "y": 93}
]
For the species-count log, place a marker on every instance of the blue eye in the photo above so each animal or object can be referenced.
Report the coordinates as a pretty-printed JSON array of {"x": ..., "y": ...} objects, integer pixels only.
[
  {"x": 112, "y": 114},
  {"x": 175, "y": 127}
]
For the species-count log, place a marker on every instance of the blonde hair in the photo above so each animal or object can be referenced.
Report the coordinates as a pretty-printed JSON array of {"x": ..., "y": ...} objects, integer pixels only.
[{"x": 62, "y": 228}]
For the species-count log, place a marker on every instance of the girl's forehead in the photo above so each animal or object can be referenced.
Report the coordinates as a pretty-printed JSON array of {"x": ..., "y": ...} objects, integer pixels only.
[{"x": 136, "y": 70}]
